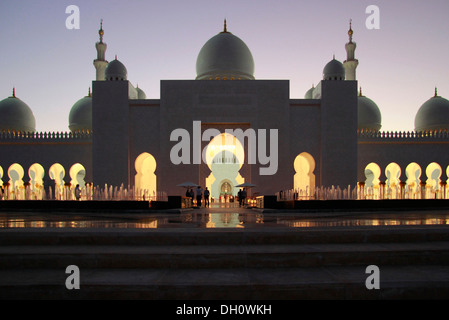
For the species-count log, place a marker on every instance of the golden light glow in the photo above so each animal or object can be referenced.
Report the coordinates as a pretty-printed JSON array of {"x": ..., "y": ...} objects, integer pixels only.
[
  {"x": 145, "y": 179},
  {"x": 224, "y": 142}
]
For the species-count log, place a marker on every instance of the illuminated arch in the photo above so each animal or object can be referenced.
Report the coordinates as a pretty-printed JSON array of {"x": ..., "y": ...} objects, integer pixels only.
[
  {"x": 57, "y": 173},
  {"x": 77, "y": 174},
  {"x": 393, "y": 173},
  {"x": 226, "y": 186},
  {"x": 224, "y": 155},
  {"x": 433, "y": 172},
  {"x": 1, "y": 175},
  {"x": 372, "y": 174},
  {"x": 372, "y": 188},
  {"x": 224, "y": 143},
  {"x": 15, "y": 174},
  {"x": 304, "y": 178},
  {"x": 413, "y": 173},
  {"x": 145, "y": 179},
  {"x": 36, "y": 173}
]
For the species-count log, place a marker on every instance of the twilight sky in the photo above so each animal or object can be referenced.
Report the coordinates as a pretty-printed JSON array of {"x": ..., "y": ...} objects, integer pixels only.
[{"x": 51, "y": 67}]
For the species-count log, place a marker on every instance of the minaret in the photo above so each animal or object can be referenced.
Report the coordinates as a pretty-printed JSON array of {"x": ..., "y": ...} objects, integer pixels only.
[
  {"x": 350, "y": 63},
  {"x": 100, "y": 63}
]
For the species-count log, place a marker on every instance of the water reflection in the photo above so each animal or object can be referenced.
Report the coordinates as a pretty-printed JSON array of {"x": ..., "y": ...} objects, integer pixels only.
[
  {"x": 6, "y": 222},
  {"x": 300, "y": 223},
  {"x": 215, "y": 220}
]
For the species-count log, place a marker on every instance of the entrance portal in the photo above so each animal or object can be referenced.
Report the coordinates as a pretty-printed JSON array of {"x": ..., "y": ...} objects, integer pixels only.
[
  {"x": 224, "y": 156},
  {"x": 226, "y": 188}
]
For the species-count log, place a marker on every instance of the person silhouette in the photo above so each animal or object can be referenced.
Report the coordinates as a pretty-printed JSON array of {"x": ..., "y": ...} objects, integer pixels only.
[
  {"x": 199, "y": 195},
  {"x": 206, "y": 197},
  {"x": 77, "y": 192}
]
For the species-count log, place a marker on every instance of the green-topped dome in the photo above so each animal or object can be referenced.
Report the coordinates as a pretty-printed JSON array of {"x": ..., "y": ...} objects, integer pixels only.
[
  {"x": 433, "y": 115},
  {"x": 140, "y": 93},
  {"x": 80, "y": 116},
  {"x": 115, "y": 71},
  {"x": 309, "y": 93},
  {"x": 369, "y": 116},
  {"x": 334, "y": 70},
  {"x": 16, "y": 115}
]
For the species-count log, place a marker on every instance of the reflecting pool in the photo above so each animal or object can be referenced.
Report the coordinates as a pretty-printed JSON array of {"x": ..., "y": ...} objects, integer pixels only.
[{"x": 218, "y": 220}]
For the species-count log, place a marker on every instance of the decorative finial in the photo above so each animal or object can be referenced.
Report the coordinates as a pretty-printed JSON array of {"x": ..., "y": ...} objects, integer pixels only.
[
  {"x": 101, "y": 32},
  {"x": 360, "y": 92},
  {"x": 350, "y": 32},
  {"x": 436, "y": 93},
  {"x": 115, "y": 57},
  {"x": 13, "y": 92},
  {"x": 225, "y": 29},
  {"x": 333, "y": 56},
  {"x": 88, "y": 94}
]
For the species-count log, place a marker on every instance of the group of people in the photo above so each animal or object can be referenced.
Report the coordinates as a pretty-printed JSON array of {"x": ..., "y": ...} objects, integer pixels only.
[
  {"x": 199, "y": 196},
  {"x": 242, "y": 196},
  {"x": 198, "y": 193}
]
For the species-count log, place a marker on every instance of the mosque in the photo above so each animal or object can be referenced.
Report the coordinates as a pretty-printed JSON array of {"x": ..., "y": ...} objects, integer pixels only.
[{"x": 225, "y": 128}]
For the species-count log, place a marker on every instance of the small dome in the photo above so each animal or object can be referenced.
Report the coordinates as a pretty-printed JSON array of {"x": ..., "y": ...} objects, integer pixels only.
[
  {"x": 16, "y": 115},
  {"x": 140, "y": 93},
  {"x": 115, "y": 71},
  {"x": 309, "y": 93},
  {"x": 433, "y": 115},
  {"x": 80, "y": 116},
  {"x": 334, "y": 70},
  {"x": 369, "y": 116},
  {"x": 225, "y": 56}
]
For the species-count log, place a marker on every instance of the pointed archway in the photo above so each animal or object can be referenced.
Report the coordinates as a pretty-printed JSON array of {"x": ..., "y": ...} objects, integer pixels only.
[
  {"x": 224, "y": 155},
  {"x": 304, "y": 178},
  {"x": 145, "y": 179}
]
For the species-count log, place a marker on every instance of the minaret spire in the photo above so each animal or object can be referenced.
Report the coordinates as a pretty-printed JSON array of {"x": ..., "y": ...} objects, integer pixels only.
[
  {"x": 101, "y": 32},
  {"x": 350, "y": 32},
  {"x": 350, "y": 63},
  {"x": 100, "y": 63}
]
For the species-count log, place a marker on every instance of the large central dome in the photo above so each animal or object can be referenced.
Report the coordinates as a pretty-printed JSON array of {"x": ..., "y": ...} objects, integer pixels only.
[{"x": 225, "y": 57}]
